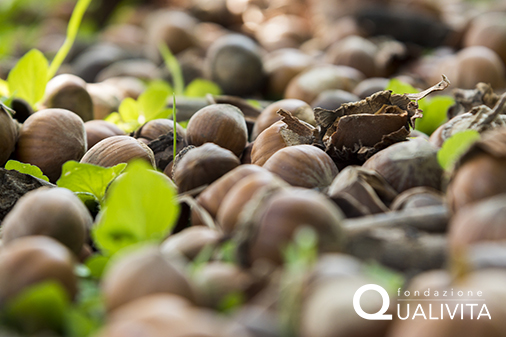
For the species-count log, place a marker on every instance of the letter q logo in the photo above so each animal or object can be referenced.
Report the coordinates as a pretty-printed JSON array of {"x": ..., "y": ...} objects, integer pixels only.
[{"x": 378, "y": 315}]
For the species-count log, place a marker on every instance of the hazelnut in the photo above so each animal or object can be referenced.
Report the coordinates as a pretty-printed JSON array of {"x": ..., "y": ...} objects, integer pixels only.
[
  {"x": 480, "y": 221},
  {"x": 106, "y": 99},
  {"x": 55, "y": 212},
  {"x": 269, "y": 116},
  {"x": 158, "y": 127},
  {"x": 8, "y": 135},
  {"x": 287, "y": 132},
  {"x": 476, "y": 64},
  {"x": 222, "y": 124},
  {"x": 281, "y": 66},
  {"x": 212, "y": 197},
  {"x": 173, "y": 27},
  {"x": 34, "y": 259},
  {"x": 479, "y": 173},
  {"x": 303, "y": 166},
  {"x": 190, "y": 241},
  {"x": 488, "y": 30},
  {"x": 307, "y": 85},
  {"x": 234, "y": 63},
  {"x": 203, "y": 165},
  {"x": 370, "y": 86},
  {"x": 97, "y": 130},
  {"x": 408, "y": 164},
  {"x": 118, "y": 149},
  {"x": 239, "y": 195},
  {"x": 49, "y": 138},
  {"x": 333, "y": 99},
  {"x": 142, "y": 272},
  {"x": 276, "y": 220},
  {"x": 69, "y": 92},
  {"x": 356, "y": 52}
]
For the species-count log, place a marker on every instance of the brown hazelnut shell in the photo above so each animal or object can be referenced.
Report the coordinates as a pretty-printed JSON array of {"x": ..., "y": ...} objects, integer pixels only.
[
  {"x": 303, "y": 166},
  {"x": 118, "y": 149},
  {"x": 97, "y": 130},
  {"x": 212, "y": 197},
  {"x": 49, "y": 138},
  {"x": 34, "y": 259},
  {"x": 222, "y": 124},
  {"x": 203, "y": 165},
  {"x": 54, "y": 212},
  {"x": 142, "y": 272}
]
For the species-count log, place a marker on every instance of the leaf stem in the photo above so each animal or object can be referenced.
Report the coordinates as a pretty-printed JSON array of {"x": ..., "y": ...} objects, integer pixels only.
[
  {"x": 73, "y": 27},
  {"x": 175, "y": 123},
  {"x": 174, "y": 67}
]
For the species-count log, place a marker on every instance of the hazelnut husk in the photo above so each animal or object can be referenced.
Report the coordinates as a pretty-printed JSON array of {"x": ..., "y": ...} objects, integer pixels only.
[
  {"x": 269, "y": 115},
  {"x": 222, "y": 124},
  {"x": 67, "y": 91},
  {"x": 97, "y": 130},
  {"x": 288, "y": 131},
  {"x": 49, "y": 138},
  {"x": 361, "y": 186},
  {"x": 118, "y": 149},
  {"x": 34, "y": 259},
  {"x": 303, "y": 166},
  {"x": 479, "y": 173},
  {"x": 418, "y": 197},
  {"x": 202, "y": 166},
  {"x": 142, "y": 272},
  {"x": 8, "y": 135},
  {"x": 408, "y": 164},
  {"x": 54, "y": 212}
]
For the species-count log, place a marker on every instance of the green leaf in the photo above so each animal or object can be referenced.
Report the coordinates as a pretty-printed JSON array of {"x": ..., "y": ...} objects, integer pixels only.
[
  {"x": 87, "y": 314},
  {"x": 455, "y": 146},
  {"x": 129, "y": 110},
  {"x": 154, "y": 99},
  {"x": 96, "y": 264},
  {"x": 73, "y": 27},
  {"x": 200, "y": 88},
  {"x": 399, "y": 87},
  {"x": 174, "y": 67},
  {"x": 39, "y": 307},
  {"x": 434, "y": 113},
  {"x": 140, "y": 207},
  {"x": 86, "y": 179},
  {"x": 26, "y": 169},
  {"x": 4, "y": 88},
  {"x": 28, "y": 78}
]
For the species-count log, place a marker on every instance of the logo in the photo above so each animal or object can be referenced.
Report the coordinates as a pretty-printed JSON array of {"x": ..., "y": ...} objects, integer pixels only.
[{"x": 436, "y": 304}]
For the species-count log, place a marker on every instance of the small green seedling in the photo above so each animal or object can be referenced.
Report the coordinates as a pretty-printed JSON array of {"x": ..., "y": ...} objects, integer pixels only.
[
  {"x": 150, "y": 105},
  {"x": 29, "y": 77}
]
